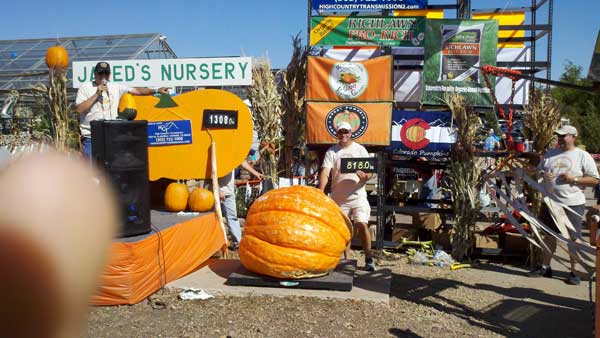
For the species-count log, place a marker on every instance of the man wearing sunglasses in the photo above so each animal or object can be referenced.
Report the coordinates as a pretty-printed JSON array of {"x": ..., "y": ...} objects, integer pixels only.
[
  {"x": 348, "y": 190},
  {"x": 567, "y": 171},
  {"x": 99, "y": 100}
]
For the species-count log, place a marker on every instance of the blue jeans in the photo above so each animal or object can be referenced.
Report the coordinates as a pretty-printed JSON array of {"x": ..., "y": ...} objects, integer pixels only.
[
  {"x": 86, "y": 147},
  {"x": 229, "y": 210}
]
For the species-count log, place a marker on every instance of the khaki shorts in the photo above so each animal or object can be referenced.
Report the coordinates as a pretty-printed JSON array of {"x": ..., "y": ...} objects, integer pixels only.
[{"x": 357, "y": 211}]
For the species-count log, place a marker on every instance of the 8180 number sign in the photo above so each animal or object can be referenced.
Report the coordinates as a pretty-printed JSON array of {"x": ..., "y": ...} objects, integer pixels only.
[
  {"x": 364, "y": 164},
  {"x": 220, "y": 119}
]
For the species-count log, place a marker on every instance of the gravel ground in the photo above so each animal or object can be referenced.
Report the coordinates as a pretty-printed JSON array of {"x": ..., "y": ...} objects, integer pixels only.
[{"x": 492, "y": 300}]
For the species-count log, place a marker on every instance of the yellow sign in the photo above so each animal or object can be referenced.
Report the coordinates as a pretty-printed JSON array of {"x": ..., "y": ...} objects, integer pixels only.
[
  {"x": 428, "y": 13},
  {"x": 506, "y": 19},
  {"x": 325, "y": 27},
  {"x": 192, "y": 161}
]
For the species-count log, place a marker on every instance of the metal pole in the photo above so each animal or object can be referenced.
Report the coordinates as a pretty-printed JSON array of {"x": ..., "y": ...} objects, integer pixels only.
[{"x": 381, "y": 193}]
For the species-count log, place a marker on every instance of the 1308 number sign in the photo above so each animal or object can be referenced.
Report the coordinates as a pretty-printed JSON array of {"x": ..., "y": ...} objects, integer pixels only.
[
  {"x": 220, "y": 119},
  {"x": 364, "y": 164}
]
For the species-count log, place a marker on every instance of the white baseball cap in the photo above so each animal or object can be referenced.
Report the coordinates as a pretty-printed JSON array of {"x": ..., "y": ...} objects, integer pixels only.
[
  {"x": 343, "y": 125},
  {"x": 566, "y": 130}
]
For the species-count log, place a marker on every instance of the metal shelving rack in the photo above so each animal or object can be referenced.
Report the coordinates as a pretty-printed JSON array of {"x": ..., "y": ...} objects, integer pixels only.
[{"x": 538, "y": 27}]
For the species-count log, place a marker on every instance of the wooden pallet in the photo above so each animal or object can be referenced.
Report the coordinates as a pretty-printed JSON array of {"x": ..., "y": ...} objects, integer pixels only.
[{"x": 340, "y": 279}]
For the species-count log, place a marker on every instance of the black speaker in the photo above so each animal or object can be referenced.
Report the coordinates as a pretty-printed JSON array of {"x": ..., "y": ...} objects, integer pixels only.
[{"x": 121, "y": 148}]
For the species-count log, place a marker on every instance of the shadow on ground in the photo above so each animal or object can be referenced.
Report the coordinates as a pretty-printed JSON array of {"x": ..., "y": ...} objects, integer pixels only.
[{"x": 524, "y": 311}]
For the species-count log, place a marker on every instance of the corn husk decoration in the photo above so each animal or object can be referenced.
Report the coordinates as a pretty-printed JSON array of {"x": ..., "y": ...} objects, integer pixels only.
[
  {"x": 541, "y": 120},
  {"x": 293, "y": 80},
  {"x": 464, "y": 176},
  {"x": 267, "y": 114}
]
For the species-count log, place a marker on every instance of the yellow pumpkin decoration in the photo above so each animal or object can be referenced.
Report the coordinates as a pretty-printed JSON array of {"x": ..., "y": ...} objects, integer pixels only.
[
  {"x": 127, "y": 108},
  {"x": 57, "y": 57},
  {"x": 201, "y": 200},
  {"x": 176, "y": 197}
]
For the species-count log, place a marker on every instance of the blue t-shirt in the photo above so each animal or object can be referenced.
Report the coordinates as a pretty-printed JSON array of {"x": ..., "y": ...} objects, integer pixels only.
[{"x": 490, "y": 142}]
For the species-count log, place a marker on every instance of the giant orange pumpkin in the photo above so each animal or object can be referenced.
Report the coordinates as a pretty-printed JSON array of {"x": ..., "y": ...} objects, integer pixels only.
[
  {"x": 176, "y": 197},
  {"x": 292, "y": 233},
  {"x": 57, "y": 57},
  {"x": 201, "y": 200}
]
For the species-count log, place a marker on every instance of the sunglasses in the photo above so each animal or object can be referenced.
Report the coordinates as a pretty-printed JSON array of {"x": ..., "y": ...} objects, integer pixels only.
[{"x": 343, "y": 131}]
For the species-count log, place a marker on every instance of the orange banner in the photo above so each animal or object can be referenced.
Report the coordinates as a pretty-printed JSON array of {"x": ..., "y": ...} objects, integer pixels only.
[
  {"x": 364, "y": 81},
  {"x": 371, "y": 122}
]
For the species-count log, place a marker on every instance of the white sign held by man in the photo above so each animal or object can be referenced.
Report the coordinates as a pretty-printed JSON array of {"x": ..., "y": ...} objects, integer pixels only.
[{"x": 197, "y": 72}]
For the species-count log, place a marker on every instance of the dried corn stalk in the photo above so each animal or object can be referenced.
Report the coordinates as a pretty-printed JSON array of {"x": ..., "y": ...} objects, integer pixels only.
[
  {"x": 541, "y": 120},
  {"x": 464, "y": 176},
  {"x": 266, "y": 113},
  {"x": 293, "y": 80},
  {"x": 60, "y": 110}
]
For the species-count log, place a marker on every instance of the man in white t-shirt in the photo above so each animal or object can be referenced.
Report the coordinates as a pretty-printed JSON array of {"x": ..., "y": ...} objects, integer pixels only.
[
  {"x": 348, "y": 190},
  {"x": 567, "y": 171},
  {"x": 99, "y": 100}
]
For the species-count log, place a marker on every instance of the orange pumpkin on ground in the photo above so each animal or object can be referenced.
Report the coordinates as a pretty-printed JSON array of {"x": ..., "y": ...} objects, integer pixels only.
[
  {"x": 201, "y": 200},
  {"x": 57, "y": 57},
  {"x": 176, "y": 197},
  {"x": 293, "y": 233}
]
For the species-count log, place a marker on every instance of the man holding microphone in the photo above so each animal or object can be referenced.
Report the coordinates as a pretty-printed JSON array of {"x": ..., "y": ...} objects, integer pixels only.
[{"x": 99, "y": 100}]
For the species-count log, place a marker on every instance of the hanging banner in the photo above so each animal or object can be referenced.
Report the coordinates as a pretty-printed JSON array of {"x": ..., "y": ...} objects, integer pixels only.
[
  {"x": 454, "y": 52},
  {"x": 506, "y": 19},
  {"x": 408, "y": 77},
  {"x": 594, "y": 73},
  {"x": 365, "y": 81},
  {"x": 422, "y": 134},
  {"x": 366, "y": 5},
  {"x": 370, "y": 122},
  {"x": 367, "y": 31}
]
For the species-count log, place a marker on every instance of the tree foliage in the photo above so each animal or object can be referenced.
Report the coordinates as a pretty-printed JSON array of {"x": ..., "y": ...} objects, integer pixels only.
[{"x": 582, "y": 108}]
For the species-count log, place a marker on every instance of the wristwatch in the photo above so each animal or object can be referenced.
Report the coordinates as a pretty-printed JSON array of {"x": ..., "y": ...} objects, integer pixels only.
[{"x": 575, "y": 180}]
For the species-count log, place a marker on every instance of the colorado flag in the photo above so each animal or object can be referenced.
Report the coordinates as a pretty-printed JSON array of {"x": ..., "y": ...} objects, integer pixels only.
[{"x": 422, "y": 134}]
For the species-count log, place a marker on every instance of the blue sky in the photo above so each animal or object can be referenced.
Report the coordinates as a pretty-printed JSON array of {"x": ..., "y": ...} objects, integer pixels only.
[{"x": 233, "y": 27}]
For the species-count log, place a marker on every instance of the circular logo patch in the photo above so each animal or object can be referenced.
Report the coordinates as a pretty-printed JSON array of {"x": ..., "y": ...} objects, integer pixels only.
[
  {"x": 348, "y": 80},
  {"x": 347, "y": 113},
  {"x": 412, "y": 134}
]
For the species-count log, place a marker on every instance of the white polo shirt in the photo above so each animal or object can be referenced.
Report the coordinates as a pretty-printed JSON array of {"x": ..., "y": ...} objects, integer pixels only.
[{"x": 105, "y": 110}]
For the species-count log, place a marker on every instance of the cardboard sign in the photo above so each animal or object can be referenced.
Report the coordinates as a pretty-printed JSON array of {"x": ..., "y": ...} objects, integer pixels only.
[
  {"x": 364, "y": 164},
  {"x": 220, "y": 119}
]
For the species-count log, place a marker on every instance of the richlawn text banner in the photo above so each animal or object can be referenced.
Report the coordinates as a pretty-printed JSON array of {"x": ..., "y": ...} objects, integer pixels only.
[
  {"x": 366, "y": 5},
  {"x": 370, "y": 122},
  {"x": 422, "y": 134},
  {"x": 197, "y": 72},
  {"x": 454, "y": 52},
  {"x": 365, "y": 81},
  {"x": 367, "y": 31}
]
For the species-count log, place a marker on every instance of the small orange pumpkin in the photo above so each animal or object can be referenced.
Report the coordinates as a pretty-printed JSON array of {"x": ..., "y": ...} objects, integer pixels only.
[
  {"x": 127, "y": 108},
  {"x": 201, "y": 200},
  {"x": 57, "y": 57},
  {"x": 293, "y": 233},
  {"x": 176, "y": 197}
]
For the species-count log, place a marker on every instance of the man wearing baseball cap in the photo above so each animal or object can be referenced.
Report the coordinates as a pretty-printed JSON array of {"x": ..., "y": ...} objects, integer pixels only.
[
  {"x": 348, "y": 190},
  {"x": 567, "y": 171},
  {"x": 99, "y": 100}
]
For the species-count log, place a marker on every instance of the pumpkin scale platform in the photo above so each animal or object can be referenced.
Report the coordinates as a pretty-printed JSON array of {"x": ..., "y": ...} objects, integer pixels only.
[{"x": 293, "y": 233}]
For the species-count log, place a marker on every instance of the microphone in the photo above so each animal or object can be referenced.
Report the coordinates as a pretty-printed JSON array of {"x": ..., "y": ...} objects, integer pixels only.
[{"x": 100, "y": 98}]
